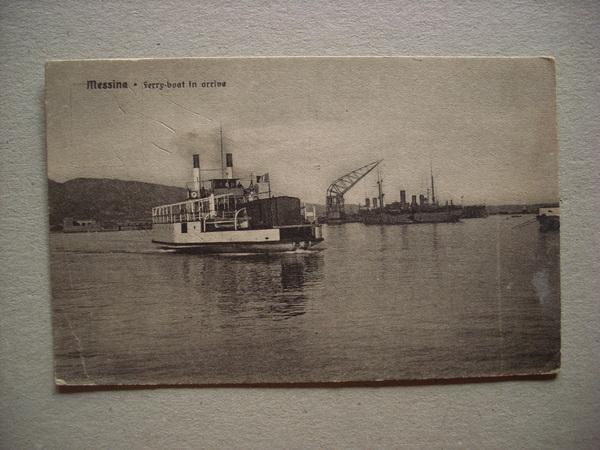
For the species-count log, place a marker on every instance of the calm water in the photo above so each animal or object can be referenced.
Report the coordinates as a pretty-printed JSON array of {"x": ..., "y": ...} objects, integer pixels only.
[{"x": 476, "y": 298}]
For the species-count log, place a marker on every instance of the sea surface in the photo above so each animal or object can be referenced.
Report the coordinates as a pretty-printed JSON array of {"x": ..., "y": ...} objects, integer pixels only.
[{"x": 476, "y": 298}]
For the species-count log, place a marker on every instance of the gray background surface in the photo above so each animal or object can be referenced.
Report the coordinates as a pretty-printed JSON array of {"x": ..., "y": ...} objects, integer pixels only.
[{"x": 560, "y": 413}]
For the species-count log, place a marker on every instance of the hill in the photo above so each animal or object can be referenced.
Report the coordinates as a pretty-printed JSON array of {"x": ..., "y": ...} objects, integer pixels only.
[{"x": 107, "y": 200}]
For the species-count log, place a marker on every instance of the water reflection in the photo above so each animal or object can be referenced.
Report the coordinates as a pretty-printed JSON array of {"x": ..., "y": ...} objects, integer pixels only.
[
  {"x": 479, "y": 298},
  {"x": 292, "y": 276},
  {"x": 255, "y": 286},
  {"x": 435, "y": 239},
  {"x": 546, "y": 280},
  {"x": 404, "y": 241}
]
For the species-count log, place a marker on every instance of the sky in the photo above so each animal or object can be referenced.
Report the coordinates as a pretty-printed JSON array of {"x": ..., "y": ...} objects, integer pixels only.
[{"x": 485, "y": 127}]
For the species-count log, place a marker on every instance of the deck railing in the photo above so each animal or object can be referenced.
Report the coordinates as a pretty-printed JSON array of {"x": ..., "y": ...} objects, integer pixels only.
[{"x": 215, "y": 207}]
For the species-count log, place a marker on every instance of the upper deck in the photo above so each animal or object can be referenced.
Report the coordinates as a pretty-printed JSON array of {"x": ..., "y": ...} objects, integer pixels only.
[
  {"x": 219, "y": 201},
  {"x": 222, "y": 206}
]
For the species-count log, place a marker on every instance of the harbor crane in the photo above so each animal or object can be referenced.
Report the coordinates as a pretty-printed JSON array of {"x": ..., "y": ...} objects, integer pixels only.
[{"x": 337, "y": 189}]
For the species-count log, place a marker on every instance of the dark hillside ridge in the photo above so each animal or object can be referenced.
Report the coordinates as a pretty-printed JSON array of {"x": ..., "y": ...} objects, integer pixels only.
[{"x": 107, "y": 200}]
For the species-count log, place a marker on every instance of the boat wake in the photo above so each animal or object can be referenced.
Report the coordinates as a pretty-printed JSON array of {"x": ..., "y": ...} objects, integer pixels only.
[
  {"x": 301, "y": 251},
  {"x": 290, "y": 252}
]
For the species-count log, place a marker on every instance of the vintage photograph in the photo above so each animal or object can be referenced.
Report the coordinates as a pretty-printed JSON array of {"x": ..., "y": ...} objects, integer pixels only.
[{"x": 302, "y": 219}]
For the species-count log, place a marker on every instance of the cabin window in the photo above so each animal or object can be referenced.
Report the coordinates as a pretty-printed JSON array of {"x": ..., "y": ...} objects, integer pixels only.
[{"x": 184, "y": 227}]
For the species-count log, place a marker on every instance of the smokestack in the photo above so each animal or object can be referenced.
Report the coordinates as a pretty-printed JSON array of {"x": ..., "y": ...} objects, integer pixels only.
[
  {"x": 374, "y": 202},
  {"x": 421, "y": 200},
  {"x": 368, "y": 202},
  {"x": 229, "y": 162},
  {"x": 402, "y": 199},
  {"x": 414, "y": 200},
  {"x": 196, "y": 175}
]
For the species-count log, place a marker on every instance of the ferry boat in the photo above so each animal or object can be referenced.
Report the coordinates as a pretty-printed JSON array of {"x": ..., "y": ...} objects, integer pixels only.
[{"x": 222, "y": 216}]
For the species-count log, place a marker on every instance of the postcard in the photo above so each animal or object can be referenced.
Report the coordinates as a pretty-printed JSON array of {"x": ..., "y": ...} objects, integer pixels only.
[{"x": 226, "y": 221}]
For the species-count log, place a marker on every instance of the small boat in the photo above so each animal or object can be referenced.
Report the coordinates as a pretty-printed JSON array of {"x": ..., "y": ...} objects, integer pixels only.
[
  {"x": 80, "y": 226},
  {"x": 549, "y": 219},
  {"x": 223, "y": 216}
]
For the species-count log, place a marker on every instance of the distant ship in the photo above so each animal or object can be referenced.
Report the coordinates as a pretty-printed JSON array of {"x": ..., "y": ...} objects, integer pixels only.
[
  {"x": 549, "y": 219},
  {"x": 71, "y": 225},
  {"x": 399, "y": 214},
  {"x": 421, "y": 211},
  {"x": 223, "y": 216}
]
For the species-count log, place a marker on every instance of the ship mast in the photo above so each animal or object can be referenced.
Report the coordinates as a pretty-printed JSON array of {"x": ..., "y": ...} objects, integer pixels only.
[
  {"x": 432, "y": 186},
  {"x": 380, "y": 187},
  {"x": 222, "y": 155}
]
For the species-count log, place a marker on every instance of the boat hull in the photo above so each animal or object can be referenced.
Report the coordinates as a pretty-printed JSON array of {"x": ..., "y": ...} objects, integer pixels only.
[
  {"x": 437, "y": 217},
  {"x": 191, "y": 238},
  {"x": 241, "y": 247},
  {"x": 401, "y": 218},
  {"x": 549, "y": 219},
  {"x": 548, "y": 223}
]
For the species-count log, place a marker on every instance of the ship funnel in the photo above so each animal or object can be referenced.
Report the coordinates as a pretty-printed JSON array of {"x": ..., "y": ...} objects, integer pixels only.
[
  {"x": 229, "y": 162},
  {"x": 196, "y": 177},
  {"x": 374, "y": 202},
  {"x": 421, "y": 199},
  {"x": 402, "y": 198},
  {"x": 367, "y": 202},
  {"x": 413, "y": 201}
]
